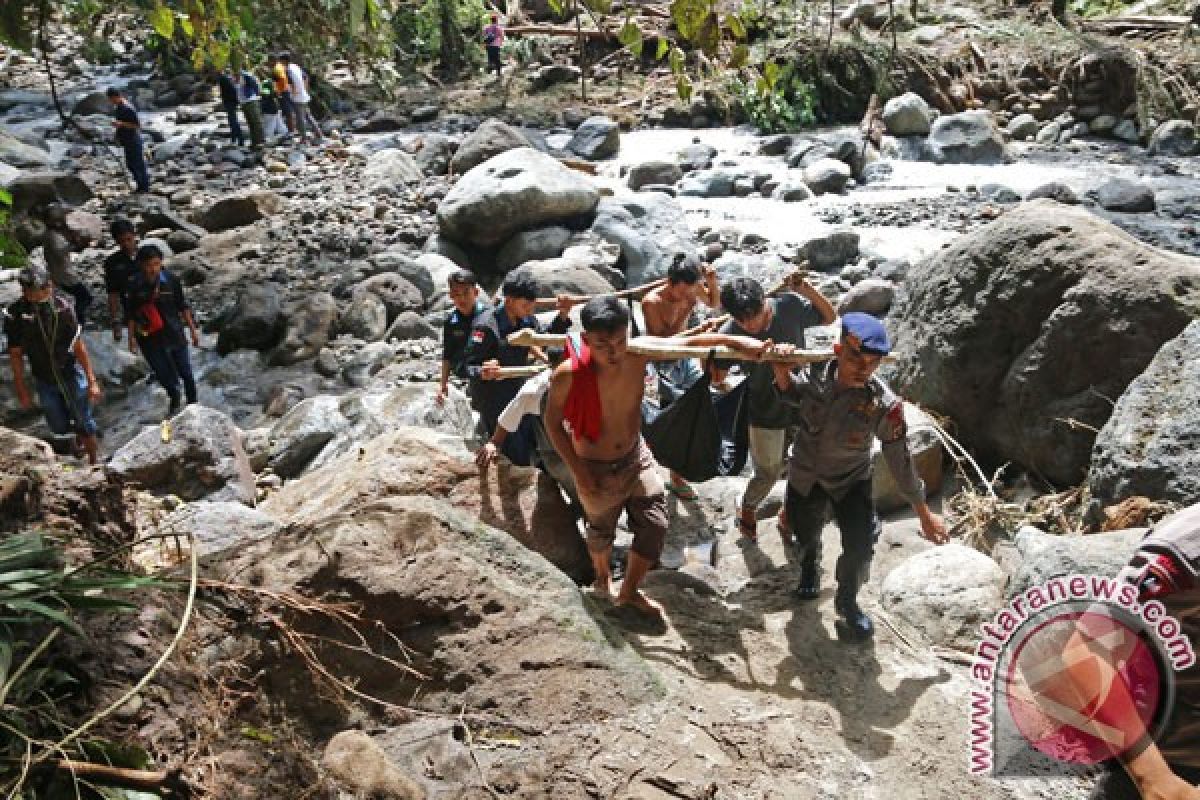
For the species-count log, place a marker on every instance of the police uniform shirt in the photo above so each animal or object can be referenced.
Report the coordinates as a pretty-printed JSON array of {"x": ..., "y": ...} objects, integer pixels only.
[
  {"x": 836, "y": 430},
  {"x": 456, "y": 333}
]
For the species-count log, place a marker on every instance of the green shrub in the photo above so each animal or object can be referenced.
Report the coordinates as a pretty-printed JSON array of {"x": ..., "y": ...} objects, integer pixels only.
[{"x": 778, "y": 101}]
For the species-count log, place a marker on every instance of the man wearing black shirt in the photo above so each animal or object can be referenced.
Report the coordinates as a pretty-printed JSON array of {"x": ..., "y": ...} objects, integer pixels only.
[
  {"x": 229, "y": 101},
  {"x": 42, "y": 326},
  {"x": 119, "y": 268},
  {"x": 488, "y": 349},
  {"x": 129, "y": 136},
  {"x": 464, "y": 294},
  {"x": 157, "y": 313}
]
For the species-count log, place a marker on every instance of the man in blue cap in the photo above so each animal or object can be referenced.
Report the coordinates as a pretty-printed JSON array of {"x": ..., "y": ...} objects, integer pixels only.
[{"x": 841, "y": 407}]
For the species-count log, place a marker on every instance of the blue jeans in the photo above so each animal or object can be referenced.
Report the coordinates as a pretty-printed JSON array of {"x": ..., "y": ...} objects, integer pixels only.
[
  {"x": 235, "y": 130},
  {"x": 171, "y": 365},
  {"x": 64, "y": 414},
  {"x": 135, "y": 160}
]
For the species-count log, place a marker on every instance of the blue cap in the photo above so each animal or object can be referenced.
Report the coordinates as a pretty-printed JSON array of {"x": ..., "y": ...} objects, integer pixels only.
[{"x": 869, "y": 331}]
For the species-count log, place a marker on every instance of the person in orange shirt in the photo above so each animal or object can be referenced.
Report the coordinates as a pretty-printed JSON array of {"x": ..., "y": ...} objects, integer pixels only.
[{"x": 283, "y": 92}]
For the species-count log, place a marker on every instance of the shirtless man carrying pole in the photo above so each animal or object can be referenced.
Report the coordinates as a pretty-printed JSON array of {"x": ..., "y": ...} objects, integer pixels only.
[{"x": 598, "y": 391}]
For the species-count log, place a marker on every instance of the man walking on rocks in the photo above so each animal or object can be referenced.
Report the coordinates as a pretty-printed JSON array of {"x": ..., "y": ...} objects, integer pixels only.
[
  {"x": 781, "y": 319},
  {"x": 283, "y": 92},
  {"x": 493, "y": 40},
  {"x": 298, "y": 82},
  {"x": 119, "y": 269},
  {"x": 227, "y": 86},
  {"x": 129, "y": 136},
  {"x": 463, "y": 290},
  {"x": 841, "y": 408},
  {"x": 598, "y": 392},
  {"x": 667, "y": 310},
  {"x": 157, "y": 314},
  {"x": 42, "y": 326},
  {"x": 248, "y": 100}
]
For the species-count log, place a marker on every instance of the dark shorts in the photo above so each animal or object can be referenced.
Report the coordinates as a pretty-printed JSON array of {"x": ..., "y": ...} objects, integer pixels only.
[{"x": 67, "y": 414}]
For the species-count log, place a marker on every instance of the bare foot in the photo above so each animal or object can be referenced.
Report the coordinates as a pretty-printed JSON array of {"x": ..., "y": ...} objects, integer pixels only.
[
  {"x": 639, "y": 602},
  {"x": 602, "y": 588}
]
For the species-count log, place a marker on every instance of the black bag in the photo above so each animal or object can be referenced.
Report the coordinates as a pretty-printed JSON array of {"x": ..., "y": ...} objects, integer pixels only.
[{"x": 700, "y": 436}]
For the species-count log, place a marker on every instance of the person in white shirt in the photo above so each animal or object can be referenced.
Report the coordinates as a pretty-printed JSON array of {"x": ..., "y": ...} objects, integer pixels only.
[{"x": 300, "y": 99}]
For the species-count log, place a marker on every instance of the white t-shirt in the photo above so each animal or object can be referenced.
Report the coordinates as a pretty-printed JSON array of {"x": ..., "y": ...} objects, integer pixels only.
[{"x": 296, "y": 79}]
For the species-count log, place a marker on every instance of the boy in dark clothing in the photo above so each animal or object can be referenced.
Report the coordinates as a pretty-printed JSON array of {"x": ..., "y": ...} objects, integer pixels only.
[
  {"x": 157, "y": 313},
  {"x": 229, "y": 101},
  {"x": 456, "y": 331},
  {"x": 119, "y": 269},
  {"x": 42, "y": 326},
  {"x": 129, "y": 136},
  {"x": 488, "y": 350}
]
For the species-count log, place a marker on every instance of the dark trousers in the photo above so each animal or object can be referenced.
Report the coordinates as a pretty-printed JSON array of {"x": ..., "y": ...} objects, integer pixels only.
[
  {"x": 135, "y": 160},
  {"x": 172, "y": 365},
  {"x": 83, "y": 300},
  {"x": 493, "y": 56},
  {"x": 235, "y": 128},
  {"x": 857, "y": 521}
]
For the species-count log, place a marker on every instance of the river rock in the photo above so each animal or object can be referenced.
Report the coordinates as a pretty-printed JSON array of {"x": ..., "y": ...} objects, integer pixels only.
[
  {"x": 436, "y": 151},
  {"x": 219, "y": 527},
  {"x": 649, "y": 173},
  {"x": 356, "y": 761},
  {"x": 410, "y": 326},
  {"x": 187, "y": 115},
  {"x": 407, "y": 265},
  {"x": 870, "y": 296},
  {"x": 1023, "y": 126},
  {"x": 566, "y": 275},
  {"x": 397, "y": 294},
  {"x": 532, "y": 245},
  {"x": 1174, "y": 137},
  {"x": 39, "y": 188},
  {"x": 967, "y": 138},
  {"x": 1042, "y": 556},
  {"x": 792, "y": 190},
  {"x": 1102, "y": 125},
  {"x": 927, "y": 35},
  {"x": 17, "y": 153},
  {"x": 651, "y": 230},
  {"x": 999, "y": 193},
  {"x": 238, "y": 210},
  {"x": 115, "y": 367},
  {"x": 1056, "y": 191},
  {"x": 598, "y": 137},
  {"x": 366, "y": 362},
  {"x": 256, "y": 321},
  {"x": 310, "y": 323},
  {"x": 827, "y": 176},
  {"x": 907, "y": 115},
  {"x": 708, "y": 183},
  {"x": 831, "y": 251},
  {"x": 365, "y": 318},
  {"x": 696, "y": 156},
  {"x": 1121, "y": 194},
  {"x": 489, "y": 140},
  {"x": 1034, "y": 319},
  {"x": 946, "y": 593},
  {"x": 391, "y": 170},
  {"x": 517, "y": 190},
  {"x": 92, "y": 103},
  {"x": 203, "y": 460},
  {"x": 1050, "y": 133},
  {"x": 1150, "y": 446},
  {"x": 553, "y": 74},
  {"x": 1127, "y": 131}
]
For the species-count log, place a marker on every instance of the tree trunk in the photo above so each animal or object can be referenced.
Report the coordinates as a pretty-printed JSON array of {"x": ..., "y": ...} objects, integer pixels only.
[
  {"x": 453, "y": 46},
  {"x": 1059, "y": 10},
  {"x": 582, "y": 53}
]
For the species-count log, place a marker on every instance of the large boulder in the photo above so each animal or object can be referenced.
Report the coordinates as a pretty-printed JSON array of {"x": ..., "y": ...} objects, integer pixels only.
[
  {"x": 405, "y": 460},
  {"x": 256, "y": 321},
  {"x": 243, "y": 208},
  {"x": 396, "y": 292},
  {"x": 907, "y": 115},
  {"x": 390, "y": 170},
  {"x": 517, "y": 190},
  {"x": 946, "y": 593},
  {"x": 219, "y": 527},
  {"x": 967, "y": 138},
  {"x": 203, "y": 459},
  {"x": 434, "y": 153},
  {"x": 1151, "y": 443},
  {"x": 1041, "y": 556},
  {"x": 406, "y": 264},
  {"x": 366, "y": 317},
  {"x": 29, "y": 189},
  {"x": 1176, "y": 137},
  {"x": 1122, "y": 194},
  {"x": 832, "y": 250},
  {"x": 827, "y": 176},
  {"x": 17, "y": 153},
  {"x": 650, "y": 228},
  {"x": 310, "y": 323},
  {"x": 566, "y": 275},
  {"x": 1022, "y": 329},
  {"x": 489, "y": 140},
  {"x": 871, "y": 296},
  {"x": 537, "y": 244},
  {"x": 598, "y": 137}
]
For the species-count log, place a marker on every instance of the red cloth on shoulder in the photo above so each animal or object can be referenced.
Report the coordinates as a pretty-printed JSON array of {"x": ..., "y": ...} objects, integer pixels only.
[{"x": 582, "y": 410}]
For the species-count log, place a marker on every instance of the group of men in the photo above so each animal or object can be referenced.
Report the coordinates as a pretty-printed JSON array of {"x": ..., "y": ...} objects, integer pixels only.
[
  {"x": 45, "y": 328},
  {"x": 581, "y": 421},
  {"x": 277, "y": 108}
]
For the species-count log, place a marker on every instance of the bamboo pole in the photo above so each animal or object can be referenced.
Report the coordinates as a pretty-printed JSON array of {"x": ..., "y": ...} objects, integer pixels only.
[
  {"x": 551, "y": 302},
  {"x": 505, "y": 373},
  {"x": 659, "y": 349}
]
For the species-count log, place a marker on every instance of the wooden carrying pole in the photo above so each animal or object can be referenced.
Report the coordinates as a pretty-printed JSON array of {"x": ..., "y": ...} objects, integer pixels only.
[
  {"x": 660, "y": 349},
  {"x": 504, "y": 373},
  {"x": 551, "y": 302}
]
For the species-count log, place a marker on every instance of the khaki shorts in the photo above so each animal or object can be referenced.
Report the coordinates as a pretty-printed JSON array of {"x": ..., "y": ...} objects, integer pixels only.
[{"x": 631, "y": 484}]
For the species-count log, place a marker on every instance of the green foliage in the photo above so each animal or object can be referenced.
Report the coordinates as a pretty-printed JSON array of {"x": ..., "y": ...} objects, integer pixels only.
[
  {"x": 1097, "y": 8},
  {"x": 418, "y": 28},
  {"x": 12, "y": 254},
  {"x": 779, "y": 100}
]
